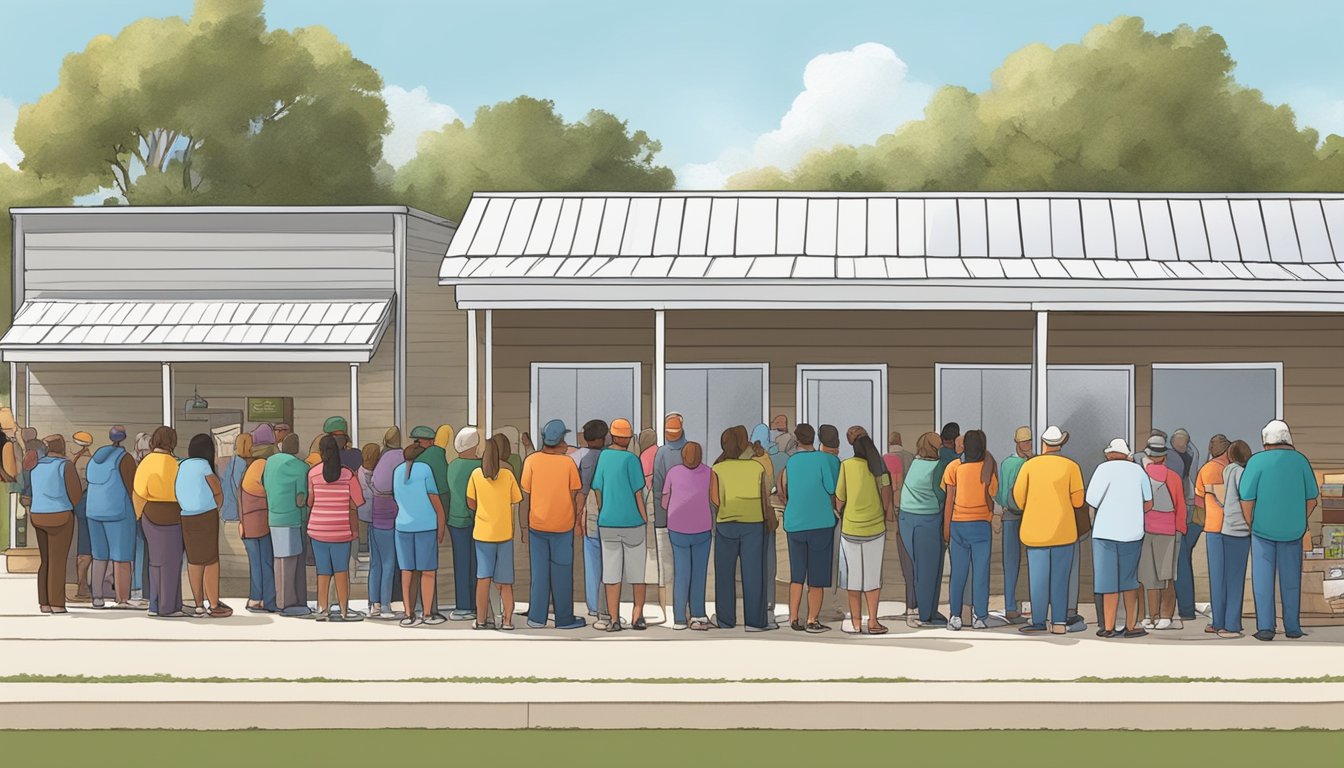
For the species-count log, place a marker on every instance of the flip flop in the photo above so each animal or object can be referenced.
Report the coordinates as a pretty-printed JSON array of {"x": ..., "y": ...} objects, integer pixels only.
[{"x": 878, "y": 630}]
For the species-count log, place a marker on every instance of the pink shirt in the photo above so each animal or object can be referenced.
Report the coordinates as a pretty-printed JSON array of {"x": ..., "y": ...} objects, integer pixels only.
[
  {"x": 1166, "y": 522},
  {"x": 329, "y": 520},
  {"x": 686, "y": 498}
]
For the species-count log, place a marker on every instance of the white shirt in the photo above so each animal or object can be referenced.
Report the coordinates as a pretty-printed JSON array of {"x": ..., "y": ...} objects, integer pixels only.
[{"x": 1118, "y": 491}]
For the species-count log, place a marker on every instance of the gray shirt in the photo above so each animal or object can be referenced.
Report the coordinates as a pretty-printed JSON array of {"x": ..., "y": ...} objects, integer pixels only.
[
  {"x": 1234, "y": 519},
  {"x": 667, "y": 457},
  {"x": 587, "y": 468}
]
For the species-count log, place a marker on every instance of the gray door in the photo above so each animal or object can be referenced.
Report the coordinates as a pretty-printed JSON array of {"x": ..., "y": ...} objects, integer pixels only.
[
  {"x": 577, "y": 393},
  {"x": 712, "y": 399},
  {"x": 1094, "y": 404},
  {"x": 1236, "y": 402},
  {"x": 844, "y": 396},
  {"x": 994, "y": 399}
]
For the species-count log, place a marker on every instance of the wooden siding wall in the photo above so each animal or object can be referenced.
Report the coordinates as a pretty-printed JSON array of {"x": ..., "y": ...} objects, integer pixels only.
[
  {"x": 64, "y": 398},
  {"x": 436, "y": 332}
]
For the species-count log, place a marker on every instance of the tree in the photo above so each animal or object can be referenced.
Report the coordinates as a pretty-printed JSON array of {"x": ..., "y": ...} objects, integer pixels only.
[
  {"x": 1124, "y": 110},
  {"x": 212, "y": 109},
  {"x": 523, "y": 145}
]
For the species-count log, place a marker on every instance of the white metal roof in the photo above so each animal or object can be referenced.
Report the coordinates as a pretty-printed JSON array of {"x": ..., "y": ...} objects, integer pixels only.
[
  {"x": 1024, "y": 243},
  {"x": 213, "y": 331}
]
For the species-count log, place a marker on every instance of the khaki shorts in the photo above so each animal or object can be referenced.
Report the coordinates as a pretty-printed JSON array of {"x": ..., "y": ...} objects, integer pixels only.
[
  {"x": 622, "y": 555},
  {"x": 1157, "y": 560}
]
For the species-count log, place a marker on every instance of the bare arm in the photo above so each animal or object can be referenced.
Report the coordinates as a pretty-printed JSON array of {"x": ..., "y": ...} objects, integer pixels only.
[
  {"x": 714, "y": 489},
  {"x": 767, "y": 509},
  {"x": 438, "y": 512},
  {"x": 216, "y": 489}
]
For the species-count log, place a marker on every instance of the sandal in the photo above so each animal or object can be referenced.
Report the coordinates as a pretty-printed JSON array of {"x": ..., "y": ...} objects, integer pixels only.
[
  {"x": 877, "y": 629},
  {"x": 700, "y": 626},
  {"x": 640, "y": 624},
  {"x": 505, "y": 627}
]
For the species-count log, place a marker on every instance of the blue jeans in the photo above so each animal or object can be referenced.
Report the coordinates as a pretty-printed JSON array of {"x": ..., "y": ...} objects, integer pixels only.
[
  {"x": 1048, "y": 568},
  {"x": 1012, "y": 561},
  {"x": 923, "y": 537},
  {"x": 1227, "y": 578},
  {"x": 1284, "y": 559},
  {"x": 734, "y": 542},
  {"x": 551, "y": 556},
  {"x": 464, "y": 568},
  {"x": 1185, "y": 572},
  {"x": 261, "y": 571},
  {"x": 690, "y": 571},
  {"x": 968, "y": 548},
  {"x": 140, "y": 570},
  {"x": 594, "y": 595},
  {"x": 382, "y": 566}
]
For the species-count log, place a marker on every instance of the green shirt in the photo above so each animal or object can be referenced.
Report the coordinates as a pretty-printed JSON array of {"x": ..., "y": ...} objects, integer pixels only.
[
  {"x": 862, "y": 515},
  {"x": 459, "y": 473},
  {"x": 1008, "y": 470},
  {"x": 740, "y": 490},
  {"x": 1280, "y": 482},
  {"x": 437, "y": 461},
  {"x": 285, "y": 478},
  {"x": 920, "y": 494}
]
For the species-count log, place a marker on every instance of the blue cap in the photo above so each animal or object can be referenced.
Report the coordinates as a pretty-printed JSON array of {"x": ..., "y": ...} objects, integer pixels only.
[{"x": 553, "y": 433}]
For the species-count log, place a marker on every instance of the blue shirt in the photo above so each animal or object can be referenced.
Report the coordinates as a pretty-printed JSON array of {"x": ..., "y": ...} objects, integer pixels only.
[
  {"x": 109, "y": 500},
  {"x": 1280, "y": 482},
  {"x": 415, "y": 512},
  {"x": 232, "y": 482},
  {"x": 618, "y": 477},
  {"x": 193, "y": 492},
  {"x": 810, "y": 477}
]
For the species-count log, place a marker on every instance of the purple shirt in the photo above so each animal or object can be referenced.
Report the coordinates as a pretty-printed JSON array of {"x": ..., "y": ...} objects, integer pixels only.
[
  {"x": 384, "y": 506},
  {"x": 686, "y": 497}
]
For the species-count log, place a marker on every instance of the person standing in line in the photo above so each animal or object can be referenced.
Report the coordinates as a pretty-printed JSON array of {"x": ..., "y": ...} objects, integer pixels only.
[
  {"x": 690, "y": 523},
  {"x": 285, "y": 479},
  {"x": 420, "y": 527},
  {"x": 971, "y": 483},
  {"x": 1278, "y": 491},
  {"x": 1209, "y": 514},
  {"x": 55, "y": 491},
  {"x": 83, "y": 541},
  {"x": 922, "y": 500},
  {"x": 1194, "y": 524},
  {"x": 1162, "y": 526},
  {"x": 111, "y": 475},
  {"x": 494, "y": 495},
  {"x": 619, "y": 483},
  {"x": 863, "y": 491},
  {"x": 461, "y": 520},
  {"x": 951, "y": 445},
  {"x": 781, "y": 436},
  {"x": 384, "y": 580},
  {"x": 338, "y": 428},
  {"x": 368, "y": 460},
  {"x": 1049, "y": 490},
  {"x": 896, "y": 451},
  {"x": 740, "y": 488},
  {"x": 897, "y": 465},
  {"x": 1009, "y": 522},
  {"x": 199, "y": 494},
  {"x": 278, "y": 433},
  {"x": 667, "y": 456},
  {"x": 553, "y": 507},
  {"x": 254, "y": 526},
  {"x": 595, "y": 440},
  {"x": 828, "y": 439},
  {"x": 314, "y": 455},
  {"x": 773, "y": 461},
  {"x": 1234, "y": 541},
  {"x": 155, "y": 489},
  {"x": 231, "y": 477},
  {"x": 807, "y": 488},
  {"x": 333, "y": 524},
  {"x": 1120, "y": 494},
  {"x": 436, "y": 457}
]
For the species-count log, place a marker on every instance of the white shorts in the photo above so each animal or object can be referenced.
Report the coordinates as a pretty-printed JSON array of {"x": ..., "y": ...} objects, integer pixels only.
[{"x": 863, "y": 562}]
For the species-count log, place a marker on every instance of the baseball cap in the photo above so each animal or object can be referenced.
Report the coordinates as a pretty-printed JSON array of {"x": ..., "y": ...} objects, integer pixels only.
[
  {"x": 1022, "y": 435},
  {"x": 337, "y": 424},
  {"x": 82, "y": 438},
  {"x": 418, "y": 433},
  {"x": 553, "y": 433},
  {"x": 1118, "y": 445},
  {"x": 622, "y": 428},
  {"x": 673, "y": 424},
  {"x": 1157, "y": 446}
]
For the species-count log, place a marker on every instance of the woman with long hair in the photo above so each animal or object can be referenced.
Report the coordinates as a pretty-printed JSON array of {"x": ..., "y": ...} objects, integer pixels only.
[
  {"x": 493, "y": 494},
  {"x": 921, "y": 527},
  {"x": 966, "y": 528},
  {"x": 333, "y": 524},
  {"x": 864, "y": 492},
  {"x": 739, "y": 487},
  {"x": 1228, "y": 556},
  {"x": 199, "y": 494},
  {"x": 161, "y": 519},
  {"x": 420, "y": 528}
]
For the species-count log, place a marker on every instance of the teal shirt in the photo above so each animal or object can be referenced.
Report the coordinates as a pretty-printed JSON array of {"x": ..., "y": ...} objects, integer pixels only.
[
  {"x": 617, "y": 477},
  {"x": 920, "y": 495},
  {"x": 811, "y": 477},
  {"x": 1007, "y": 479},
  {"x": 459, "y": 472},
  {"x": 1280, "y": 482},
  {"x": 285, "y": 478}
]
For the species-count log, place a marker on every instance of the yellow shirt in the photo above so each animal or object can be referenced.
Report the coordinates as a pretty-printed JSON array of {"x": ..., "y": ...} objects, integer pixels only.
[
  {"x": 494, "y": 504},
  {"x": 1048, "y": 489},
  {"x": 740, "y": 490},
  {"x": 156, "y": 477}
]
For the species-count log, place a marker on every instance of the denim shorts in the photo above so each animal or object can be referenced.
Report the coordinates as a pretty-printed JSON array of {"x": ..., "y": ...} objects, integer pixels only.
[
  {"x": 1115, "y": 565},
  {"x": 417, "y": 551},
  {"x": 331, "y": 557},
  {"x": 810, "y": 556},
  {"x": 113, "y": 540},
  {"x": 494, "y": 561}
]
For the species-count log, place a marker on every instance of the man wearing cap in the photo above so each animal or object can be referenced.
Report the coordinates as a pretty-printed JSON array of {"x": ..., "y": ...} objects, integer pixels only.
[
  {"x": 1181, "y": 446},
  {"x": 1049, "y": 490},
  {"x": 1209, "y": 513},
  {"x": 1162, "y": 526},
  {"x": 83, "y": 542},
  {"x": 462, "y": 521},
  {"x": 1120, "y": 494},
  {"x": 667, "y": 457},
  {"x": 337, "y": 427},
  {"x": 110, "y": 477},
  {"x": 551, "y": 515},
  {"x": 1278, "y": 491},
  {"x": 1008, "y": 519},
  {"x": 619, "y": 482},
  {"x": 594, "y": 441}
]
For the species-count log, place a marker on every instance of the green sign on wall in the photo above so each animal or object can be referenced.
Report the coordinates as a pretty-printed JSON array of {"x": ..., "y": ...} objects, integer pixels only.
[{"x": 272, "y": 410}]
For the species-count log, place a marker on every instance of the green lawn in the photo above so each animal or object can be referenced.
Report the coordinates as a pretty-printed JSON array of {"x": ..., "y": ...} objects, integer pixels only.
[{"x": 649, "y": 749}]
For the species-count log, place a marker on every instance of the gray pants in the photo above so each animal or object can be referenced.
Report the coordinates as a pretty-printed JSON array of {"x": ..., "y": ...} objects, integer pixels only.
[
  {"x": 291, "y": 583},
  {"x": 771, "y": 572}
]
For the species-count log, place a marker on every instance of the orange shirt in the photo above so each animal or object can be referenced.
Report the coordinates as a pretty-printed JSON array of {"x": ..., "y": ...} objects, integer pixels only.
[
  {"x": 1211, "y": 474},
  {"x": 551, "y": 480},
  {"x": 970, "y": 503}
]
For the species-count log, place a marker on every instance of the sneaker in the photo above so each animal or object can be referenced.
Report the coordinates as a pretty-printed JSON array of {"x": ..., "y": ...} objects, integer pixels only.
[
  {"x": 1075, "y": 626},
  {"x": 577, "y": 623},
  {"x": 1177, "y": 624},
  {"x": 97, "y": 603},
  {"x": 461, "y": 615},
  {"x": 1295, "y": 635},
  {"x": 816, "y": 628},
  {"x": 979, "y": 623},
  {"x": 534, "y": 625},
  {"x": 1130, "y": 634},
  {"x": 772, "y": 624},
  {"x": 1229, "y": 635},
  {"x": 322, "y": 616},
  {"x": 410, "y": 621},
  {"x": 1264, "y": 635},
  {"x": 1033, "y": 629},
  {"x": 954, "y": 623},
  {"x": 678, "y": 626},
  {"x": 1105, "y": 633},
  {"x": 297, "y": 612},
  {"x": 435, "y": 619},
  {"x": 797, "y": 626},
  {"x": 766, "y": 628},
  {"x": 1164, "y": 624},
  {"x": 1147, "y": 624}
]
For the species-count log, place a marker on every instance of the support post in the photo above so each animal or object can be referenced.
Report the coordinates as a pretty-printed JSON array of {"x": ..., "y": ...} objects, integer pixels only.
[
  {"x": 659, "y": 372},
  {"x": 13, "y": 542},
  {"x": 489, "y": 372},
  {"x": 473, "y": 372},
  {"x": 354, "y": 405},
  {"x": 167, "y": 394},
  {"x": 1039, "y": 375}
]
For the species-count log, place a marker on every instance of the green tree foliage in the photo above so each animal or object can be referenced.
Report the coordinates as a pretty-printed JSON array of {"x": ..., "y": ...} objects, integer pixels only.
[
  {"x": 1125, "y": 110},
  {"x": 523, "y": 145},
  {"x": 212, "y": 109}
]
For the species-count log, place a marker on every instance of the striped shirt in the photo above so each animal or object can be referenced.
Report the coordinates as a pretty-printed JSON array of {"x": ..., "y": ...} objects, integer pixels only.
[{"x": 329, "y": 520}]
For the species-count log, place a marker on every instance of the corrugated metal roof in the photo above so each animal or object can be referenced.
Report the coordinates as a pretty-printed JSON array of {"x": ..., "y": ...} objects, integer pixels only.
[{"x": 168, "y": 331}]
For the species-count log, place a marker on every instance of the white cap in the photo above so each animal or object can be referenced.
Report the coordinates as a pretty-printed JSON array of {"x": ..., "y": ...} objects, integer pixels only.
[
  {"x": 1054, "y": 436},
  {"x": 466, "y": 439},
  {"x": 1117, "y": 446},
  {"x": 1276, "y": 433}
]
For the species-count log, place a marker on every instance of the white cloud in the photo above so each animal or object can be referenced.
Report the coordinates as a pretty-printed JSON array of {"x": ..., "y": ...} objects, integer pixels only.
[
  {"x": 9, "y": 151},
  {"x": 412, "y": 113},
  {"x": 848, "y": 97}
]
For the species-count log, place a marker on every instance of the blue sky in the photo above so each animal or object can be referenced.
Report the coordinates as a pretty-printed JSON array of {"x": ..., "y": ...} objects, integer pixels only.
[{"x": 720, "y": 83}]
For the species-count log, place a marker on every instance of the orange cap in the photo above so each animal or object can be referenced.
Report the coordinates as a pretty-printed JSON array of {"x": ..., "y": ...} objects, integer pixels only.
[
  {"x": 622, "y": 428},
  {"x": 673, "y": 423}
]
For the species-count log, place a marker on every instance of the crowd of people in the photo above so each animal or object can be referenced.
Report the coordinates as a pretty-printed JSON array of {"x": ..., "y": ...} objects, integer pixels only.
[{"x": 138, "y": 514}]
